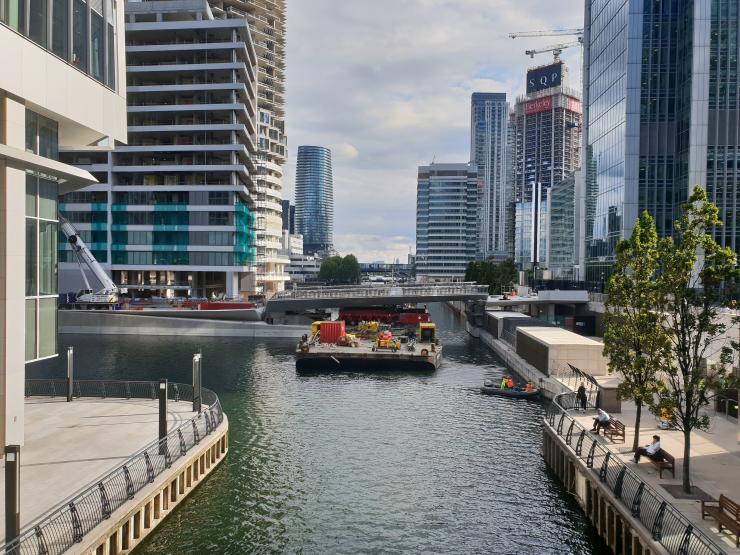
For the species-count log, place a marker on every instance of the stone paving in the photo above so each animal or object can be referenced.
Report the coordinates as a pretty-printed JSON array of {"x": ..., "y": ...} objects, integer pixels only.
[
  {"x": 70, "y": 445},
  {"x": 715, "y": 462}
]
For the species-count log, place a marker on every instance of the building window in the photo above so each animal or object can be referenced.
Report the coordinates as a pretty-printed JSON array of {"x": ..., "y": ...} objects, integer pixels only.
[
  {"x": 42, "y": 135},
  {"x": 97, "y": 43},
  {"x": 60, "y": 29},
  {"x": 37, "y": 21},
  {"x": 41, "y": 266},
  {"x": 79, "y": 35}
]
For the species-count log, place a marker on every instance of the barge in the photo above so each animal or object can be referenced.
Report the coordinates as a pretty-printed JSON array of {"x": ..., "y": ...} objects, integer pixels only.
[{"x": 333, "y": 348}]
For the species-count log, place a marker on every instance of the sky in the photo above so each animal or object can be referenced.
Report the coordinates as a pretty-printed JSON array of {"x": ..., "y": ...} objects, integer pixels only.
[{"x": 386, "y": 85}]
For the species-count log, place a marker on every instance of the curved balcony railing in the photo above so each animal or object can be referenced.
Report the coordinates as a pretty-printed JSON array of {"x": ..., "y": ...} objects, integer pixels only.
[
  {"x": 665, "y": 523},
  {"x": 65, "y": 525}
]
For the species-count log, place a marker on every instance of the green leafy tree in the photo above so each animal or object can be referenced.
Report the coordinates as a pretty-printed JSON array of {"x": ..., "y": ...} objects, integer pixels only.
[
  {"x": 330, "y": 269},
  {"x": 496, "y": 276},
  {"x": 350, "y": 269},
  {"x": 336, "y": 269},
  {"x": 695, "y": 270},
  {"x": 635, "y": 342}
]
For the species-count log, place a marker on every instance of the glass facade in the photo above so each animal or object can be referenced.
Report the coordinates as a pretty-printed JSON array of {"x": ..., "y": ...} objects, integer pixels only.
[
  {"x": 92, "y": 33},
  {"x": 446, "y": 219},
  {"x": 489, "y": 118},
  {"x": 647, "y": 114},
  {"x": 314, "y": 198}
]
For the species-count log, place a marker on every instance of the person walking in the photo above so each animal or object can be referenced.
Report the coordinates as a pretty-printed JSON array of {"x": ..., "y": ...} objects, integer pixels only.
[
  {"x": 581, "y": 397},
  {"x": 651, "y": 451}
]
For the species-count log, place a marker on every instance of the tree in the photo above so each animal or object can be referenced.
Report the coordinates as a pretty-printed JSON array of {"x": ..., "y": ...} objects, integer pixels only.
[
  {"x": 634, "y": 339},
  {"x": 496, "y": 276},
  {"x": 336, "y": 269},
  {"x": 694, "y": 273}
]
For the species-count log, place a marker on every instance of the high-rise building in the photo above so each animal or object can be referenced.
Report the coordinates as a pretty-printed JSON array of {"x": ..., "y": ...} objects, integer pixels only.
[
  {"x": 446, "y": 220},
  {"x": 289, "y": 217},
  {"x": 61, "y": 83},
  {"x": 661, "y": 116},
  {"x": 546, "y": 140},
  {"x": 489, "y": 119},
  {"x": 175, "y": 208},
  {"x": 314, "y": 199},
  {"x": 562, "y": 231}
]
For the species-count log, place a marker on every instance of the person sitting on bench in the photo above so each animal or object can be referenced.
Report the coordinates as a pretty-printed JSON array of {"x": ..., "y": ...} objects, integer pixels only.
[
  {"x": 602, "y": 420},
  {"x": 651, "y": 451}
]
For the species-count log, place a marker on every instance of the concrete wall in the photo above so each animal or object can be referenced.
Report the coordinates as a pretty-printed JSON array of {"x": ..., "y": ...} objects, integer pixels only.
[{"x": 112, "y": 323}]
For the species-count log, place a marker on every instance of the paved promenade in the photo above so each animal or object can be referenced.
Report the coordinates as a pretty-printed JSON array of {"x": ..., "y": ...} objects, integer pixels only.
[
  {"x": 69, "y": 445},
  {"x": 715, "y": 462}
]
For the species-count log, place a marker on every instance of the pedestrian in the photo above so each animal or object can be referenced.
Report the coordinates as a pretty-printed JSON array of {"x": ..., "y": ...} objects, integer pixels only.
[
  {"x": 602, "y": 420},
  {"x": 581, "y": 397},
  {"x": 651, "y": 451}
]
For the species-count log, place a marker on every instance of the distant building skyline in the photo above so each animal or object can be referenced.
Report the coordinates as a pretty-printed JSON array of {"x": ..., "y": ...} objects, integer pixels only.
[{"x": 314, "y": 199}]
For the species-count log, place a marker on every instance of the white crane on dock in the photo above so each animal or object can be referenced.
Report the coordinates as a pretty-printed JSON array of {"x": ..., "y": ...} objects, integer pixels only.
[{"x": 106, "y": 296}]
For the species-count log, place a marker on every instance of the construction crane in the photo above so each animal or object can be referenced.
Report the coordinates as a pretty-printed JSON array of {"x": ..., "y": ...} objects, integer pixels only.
[
  {"x": 107, "y": 296},
  {"x": 578, "y": 33},
  {"x": 556, "y": 49}
]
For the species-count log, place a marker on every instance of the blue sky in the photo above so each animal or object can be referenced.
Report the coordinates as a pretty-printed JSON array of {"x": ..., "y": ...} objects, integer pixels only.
[{"x": 386, "y": 85}]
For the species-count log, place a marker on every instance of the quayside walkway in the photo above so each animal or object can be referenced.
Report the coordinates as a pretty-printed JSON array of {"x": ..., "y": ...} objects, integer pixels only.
[
  {"x": 633, "y": 509},
  {"x": 94, "y": 476}
]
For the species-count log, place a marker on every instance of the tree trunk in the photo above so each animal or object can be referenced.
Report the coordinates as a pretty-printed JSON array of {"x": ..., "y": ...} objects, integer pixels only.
[
  {"x": 636, "y": 442},
  {"x": 686, "y": 461}
]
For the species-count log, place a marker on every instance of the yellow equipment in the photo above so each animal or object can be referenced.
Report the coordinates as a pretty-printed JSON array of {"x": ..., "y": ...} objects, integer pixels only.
[
  {"x": 385, "y": 341},
  {"x": 315, "y": 327},
  {"x": 427, "y": 332},
  {"x": 368, "y": 327}
]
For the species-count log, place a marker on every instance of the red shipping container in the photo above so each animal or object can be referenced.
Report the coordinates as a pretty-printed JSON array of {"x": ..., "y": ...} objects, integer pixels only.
[{"x": 332, "y": 331}]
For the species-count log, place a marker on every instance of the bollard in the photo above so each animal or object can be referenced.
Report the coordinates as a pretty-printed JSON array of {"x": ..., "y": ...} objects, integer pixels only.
[
  {"x": 12, "y": 492},
  {"x": 162, "y": 415},
  {"x": 197, "y": 375},
  {"x": 70, "y": 373}
]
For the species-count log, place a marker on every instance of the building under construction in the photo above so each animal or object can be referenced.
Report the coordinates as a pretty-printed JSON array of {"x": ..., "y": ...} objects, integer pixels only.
[{"x": 546, "y": 146}]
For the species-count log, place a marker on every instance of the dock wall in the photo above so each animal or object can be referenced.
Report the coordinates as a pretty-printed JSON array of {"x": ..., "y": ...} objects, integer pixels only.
[
  {"x": 132, "y": 522},
  {"x": 98, "y": 322}
]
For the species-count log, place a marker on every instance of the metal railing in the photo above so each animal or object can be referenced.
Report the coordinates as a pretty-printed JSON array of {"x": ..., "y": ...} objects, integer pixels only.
[
  {"x": 67, "y": 524},
  {"x": 441, "y": 289},
  {"x": 572, "y": 378},
  {"x": 665, "y": 523},
  {"x": 726, "y": 406}
]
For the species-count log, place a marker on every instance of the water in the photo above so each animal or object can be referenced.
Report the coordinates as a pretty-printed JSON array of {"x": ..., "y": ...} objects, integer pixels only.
[{"x": 355, "y": 463}]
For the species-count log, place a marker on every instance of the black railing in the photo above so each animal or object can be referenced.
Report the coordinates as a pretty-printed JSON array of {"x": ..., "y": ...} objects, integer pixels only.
[
  {"x": 67, "y": 524},
  {"x": 666, "y": 525}
]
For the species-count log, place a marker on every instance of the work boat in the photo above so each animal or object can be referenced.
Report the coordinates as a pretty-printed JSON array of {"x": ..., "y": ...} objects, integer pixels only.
[
  {"x": 491, "y": 388},
  {"x": 332, "y": 346}
]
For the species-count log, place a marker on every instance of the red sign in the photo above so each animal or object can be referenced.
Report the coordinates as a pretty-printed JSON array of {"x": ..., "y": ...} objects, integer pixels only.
[
  {"x": 537, "y": 106},
  {"x": 573, "y": 105}
]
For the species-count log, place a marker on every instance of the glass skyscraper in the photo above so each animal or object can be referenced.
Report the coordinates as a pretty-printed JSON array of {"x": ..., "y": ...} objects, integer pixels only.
[
  {"x": 314, "y": 199},
  {"x": 489, "y": 118},
  {"x": 446, "y": 220},
  {"x": 661, "y": 113}
]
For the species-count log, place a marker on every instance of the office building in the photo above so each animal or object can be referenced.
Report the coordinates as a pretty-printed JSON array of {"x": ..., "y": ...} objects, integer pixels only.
[
  {"x": 661, "y": 114},
  {"x": 314, "y": 199},
  {"x": 546, "y": 139},
  {"x": 289, "y": 216},
  {"x": 61, "y": 84},
  {"x": 174, "y": 212},
  {"x": 446, "y": 220},
  {"x": 489, "y": 119},
  {"x": 562, "y": 229}
]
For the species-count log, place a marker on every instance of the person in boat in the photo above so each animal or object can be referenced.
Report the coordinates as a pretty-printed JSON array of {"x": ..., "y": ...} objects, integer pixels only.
[
  {"x": 510, "y": 383},
  {"x": 529, "y": 388},
  {"x": 581, "y": 396},
  {"x": 602, "y": 420},
  {"x": 502, "y": 386}
]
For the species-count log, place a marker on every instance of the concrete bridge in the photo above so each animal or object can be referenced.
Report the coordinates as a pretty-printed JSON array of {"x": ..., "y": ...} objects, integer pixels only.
[{"x": 374, "y": 295}]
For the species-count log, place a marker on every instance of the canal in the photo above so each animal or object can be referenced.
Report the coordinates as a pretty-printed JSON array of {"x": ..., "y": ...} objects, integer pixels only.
[{"x": 354, "y": 463}]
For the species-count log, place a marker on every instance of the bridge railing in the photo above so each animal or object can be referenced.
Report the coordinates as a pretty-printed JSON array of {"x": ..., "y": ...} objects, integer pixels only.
[
  {"x": 65, "y": 525},
  {"x": 356, "y": 291},
  {"x": 665, "y": 523}
]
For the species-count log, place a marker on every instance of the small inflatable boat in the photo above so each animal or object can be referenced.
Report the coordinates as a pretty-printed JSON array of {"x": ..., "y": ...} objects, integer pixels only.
[{"x": 491, "y": 389}]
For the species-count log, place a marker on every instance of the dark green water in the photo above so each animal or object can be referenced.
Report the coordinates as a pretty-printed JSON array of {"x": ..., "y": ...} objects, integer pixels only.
[{"x": 354, "y": 463}]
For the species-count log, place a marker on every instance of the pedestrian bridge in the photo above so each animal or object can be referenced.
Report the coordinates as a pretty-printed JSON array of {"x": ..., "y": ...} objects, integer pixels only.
[{"x": 374, "y": 295}]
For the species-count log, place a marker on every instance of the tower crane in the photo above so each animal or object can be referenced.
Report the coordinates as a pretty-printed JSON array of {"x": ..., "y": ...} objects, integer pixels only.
[
  {"x": 106, "y": 296},
  {"x": 556, "y": 49},
  {"x": 578, "y": 33}
]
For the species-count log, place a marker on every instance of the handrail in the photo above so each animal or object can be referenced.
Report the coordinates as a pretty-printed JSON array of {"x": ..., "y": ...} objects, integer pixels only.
[
  {"x": 665, "y": 523},
  {"x": 383, "y": 291},
  {"x": 56, "y": 531}
]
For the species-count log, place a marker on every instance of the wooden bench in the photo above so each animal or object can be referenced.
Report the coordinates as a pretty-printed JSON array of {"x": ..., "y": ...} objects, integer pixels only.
[
  {"x": 614, "y": 428},
  {"x": 727, "y": 514},
  {"x": 667, "y": 462}
]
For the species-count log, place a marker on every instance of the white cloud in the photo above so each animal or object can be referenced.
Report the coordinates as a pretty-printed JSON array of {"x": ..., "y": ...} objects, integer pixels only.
[{"x": 386, "y": 84}]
